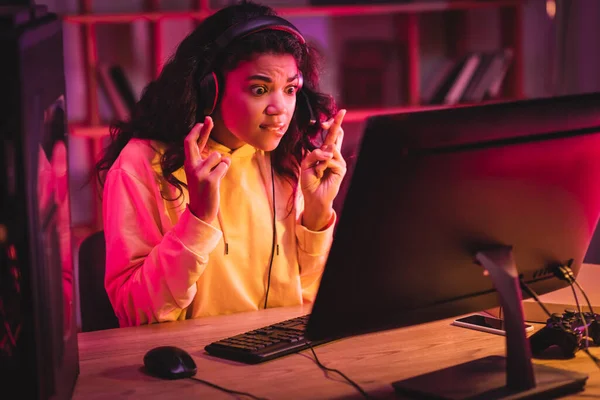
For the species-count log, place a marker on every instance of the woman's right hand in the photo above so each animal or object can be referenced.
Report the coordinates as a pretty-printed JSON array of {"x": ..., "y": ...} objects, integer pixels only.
[{"x": 203, "y": 173}]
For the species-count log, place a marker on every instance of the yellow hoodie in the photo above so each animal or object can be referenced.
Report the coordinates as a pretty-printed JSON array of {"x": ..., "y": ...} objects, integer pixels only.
[{"x": 164, "y": 264}]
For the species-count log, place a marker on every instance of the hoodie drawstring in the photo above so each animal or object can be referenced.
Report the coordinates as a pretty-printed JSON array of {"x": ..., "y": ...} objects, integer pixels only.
[
  {"x": 222, "y": 226},
  {"x": 275, "y": 247}
]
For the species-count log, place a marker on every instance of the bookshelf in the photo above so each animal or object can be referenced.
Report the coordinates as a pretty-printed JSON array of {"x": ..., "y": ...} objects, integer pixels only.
[
  {"x": 406, "y": 19},
  {"x": 408, "y": 25}
]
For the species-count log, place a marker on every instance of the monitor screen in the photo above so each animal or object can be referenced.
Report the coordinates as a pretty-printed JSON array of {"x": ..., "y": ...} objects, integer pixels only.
[{"x": 431, "y": 189}]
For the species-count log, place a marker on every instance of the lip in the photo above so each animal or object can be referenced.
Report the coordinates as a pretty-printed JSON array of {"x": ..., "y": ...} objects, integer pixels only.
[
  {"x": 272, "y": 126},
  {"x": 275, "y": 128}
]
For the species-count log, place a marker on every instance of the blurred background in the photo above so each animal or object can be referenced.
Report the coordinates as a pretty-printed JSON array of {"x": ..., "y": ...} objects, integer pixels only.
[{"x": 379, "y": 56}]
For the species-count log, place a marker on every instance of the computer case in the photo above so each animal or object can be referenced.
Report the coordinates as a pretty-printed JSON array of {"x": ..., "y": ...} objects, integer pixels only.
[{"x": 38, "y": 332}]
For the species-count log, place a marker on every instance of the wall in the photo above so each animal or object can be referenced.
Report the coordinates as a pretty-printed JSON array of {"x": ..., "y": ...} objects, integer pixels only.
[{"x": 582, "y": 72}]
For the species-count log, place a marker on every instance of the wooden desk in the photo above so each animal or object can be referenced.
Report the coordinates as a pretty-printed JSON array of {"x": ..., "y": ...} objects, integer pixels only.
[{"x": 111, "y": 360}]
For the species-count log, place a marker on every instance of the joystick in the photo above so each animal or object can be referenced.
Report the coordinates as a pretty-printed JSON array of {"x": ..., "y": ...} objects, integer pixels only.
[{"x": 567, "y": 332}]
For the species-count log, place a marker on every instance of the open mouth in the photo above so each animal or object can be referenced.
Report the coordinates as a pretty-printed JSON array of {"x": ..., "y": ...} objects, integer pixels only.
[{"x": 277, "y": 128}]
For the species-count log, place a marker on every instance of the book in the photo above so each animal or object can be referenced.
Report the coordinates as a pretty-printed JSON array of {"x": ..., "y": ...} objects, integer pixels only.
[
  {"x": 496, "y": 84},
  {"x": 117, "y": 90},
  {"x": 446, "y": 82},
  {"x": 437, "y": 80},
  {"x": 462, "y": 80},
  {"x": 123, "y": 86},
  {"x": 473, "y": 93}
]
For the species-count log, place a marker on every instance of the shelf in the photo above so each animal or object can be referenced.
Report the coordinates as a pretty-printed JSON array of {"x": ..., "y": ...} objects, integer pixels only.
[
  {"x": 123, "y": 18},
  {"x": 89, "y": 131},
  {"x": 309, "y": 11},
  {"x": 409, "y": 8}
]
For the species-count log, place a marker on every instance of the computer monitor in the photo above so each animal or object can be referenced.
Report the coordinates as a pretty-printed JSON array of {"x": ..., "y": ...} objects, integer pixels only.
[{"x": 432, "y": 190}]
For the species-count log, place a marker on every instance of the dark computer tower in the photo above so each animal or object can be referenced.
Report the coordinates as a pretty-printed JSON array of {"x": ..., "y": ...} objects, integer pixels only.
[{"x": 38, "y": 333}]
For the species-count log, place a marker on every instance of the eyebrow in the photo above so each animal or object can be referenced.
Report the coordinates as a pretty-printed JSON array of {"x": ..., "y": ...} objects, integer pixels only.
[{"x": 265, "y": 78}]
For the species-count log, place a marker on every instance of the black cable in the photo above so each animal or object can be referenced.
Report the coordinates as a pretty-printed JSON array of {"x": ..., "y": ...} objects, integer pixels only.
[
  {"x": 274, "y": 233},
  {"x": 337, "y": 371},
  {"x": 530, "y": 292},
  {"x": 226, "y": 390},
  {"x": 568, "y": 275},
  {"x": 586, "y": 298},
  {"x": 587, "y": 333}
]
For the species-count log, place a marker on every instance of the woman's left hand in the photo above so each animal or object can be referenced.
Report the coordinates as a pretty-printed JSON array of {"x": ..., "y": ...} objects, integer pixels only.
[{"x": 322, "y": 172}]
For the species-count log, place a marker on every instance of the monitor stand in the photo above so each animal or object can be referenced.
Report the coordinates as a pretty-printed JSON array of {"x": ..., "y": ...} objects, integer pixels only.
[{"x": 497, "y": 377}]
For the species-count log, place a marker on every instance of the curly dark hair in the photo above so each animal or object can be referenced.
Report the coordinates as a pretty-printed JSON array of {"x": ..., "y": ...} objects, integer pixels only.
[{"x": 171, "y": 105}]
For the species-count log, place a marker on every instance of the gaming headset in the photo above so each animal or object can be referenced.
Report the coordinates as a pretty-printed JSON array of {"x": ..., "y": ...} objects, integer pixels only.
[{"x": 208, "y": 85}]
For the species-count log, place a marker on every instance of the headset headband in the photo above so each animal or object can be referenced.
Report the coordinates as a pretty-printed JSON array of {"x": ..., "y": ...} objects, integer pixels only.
[{"x": 254, "y": 25}]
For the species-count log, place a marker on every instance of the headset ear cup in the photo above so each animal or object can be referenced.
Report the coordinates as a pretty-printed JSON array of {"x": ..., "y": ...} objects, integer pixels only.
[
  {"x": 304, "y": 98},
  {"x": 208, "y": 93},
  {"x": 311, "y": 114}
]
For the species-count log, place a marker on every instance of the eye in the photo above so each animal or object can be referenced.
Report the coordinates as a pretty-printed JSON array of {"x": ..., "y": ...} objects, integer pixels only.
[
  {"x": 258, "y": 90},
  {"x": 291, "y": 90}
]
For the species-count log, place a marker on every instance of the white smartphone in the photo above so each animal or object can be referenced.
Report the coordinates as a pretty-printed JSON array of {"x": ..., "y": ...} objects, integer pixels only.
[{"x": 485, "y": 323}]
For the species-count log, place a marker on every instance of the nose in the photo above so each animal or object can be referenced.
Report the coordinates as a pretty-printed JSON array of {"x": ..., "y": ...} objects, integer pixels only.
[{"x": 277, "y": 104}]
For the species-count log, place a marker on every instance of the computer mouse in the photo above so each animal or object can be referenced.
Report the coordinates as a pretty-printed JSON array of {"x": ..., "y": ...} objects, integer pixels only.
[{"x": 169, "y": 362}]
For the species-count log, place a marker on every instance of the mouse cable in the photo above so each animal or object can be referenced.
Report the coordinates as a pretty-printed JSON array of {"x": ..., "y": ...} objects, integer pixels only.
[
  {"x": 534, "y": 295},
  {"x": 337, "y": 371},
  {"x": 225, "y": 389}
]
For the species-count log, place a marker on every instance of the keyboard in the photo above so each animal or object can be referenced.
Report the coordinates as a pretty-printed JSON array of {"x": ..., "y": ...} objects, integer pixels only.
[{"x": 266, "y": 343}]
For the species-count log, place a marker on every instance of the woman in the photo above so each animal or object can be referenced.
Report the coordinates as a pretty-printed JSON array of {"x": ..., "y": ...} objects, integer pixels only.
[{"x": 233, "y": 213}]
